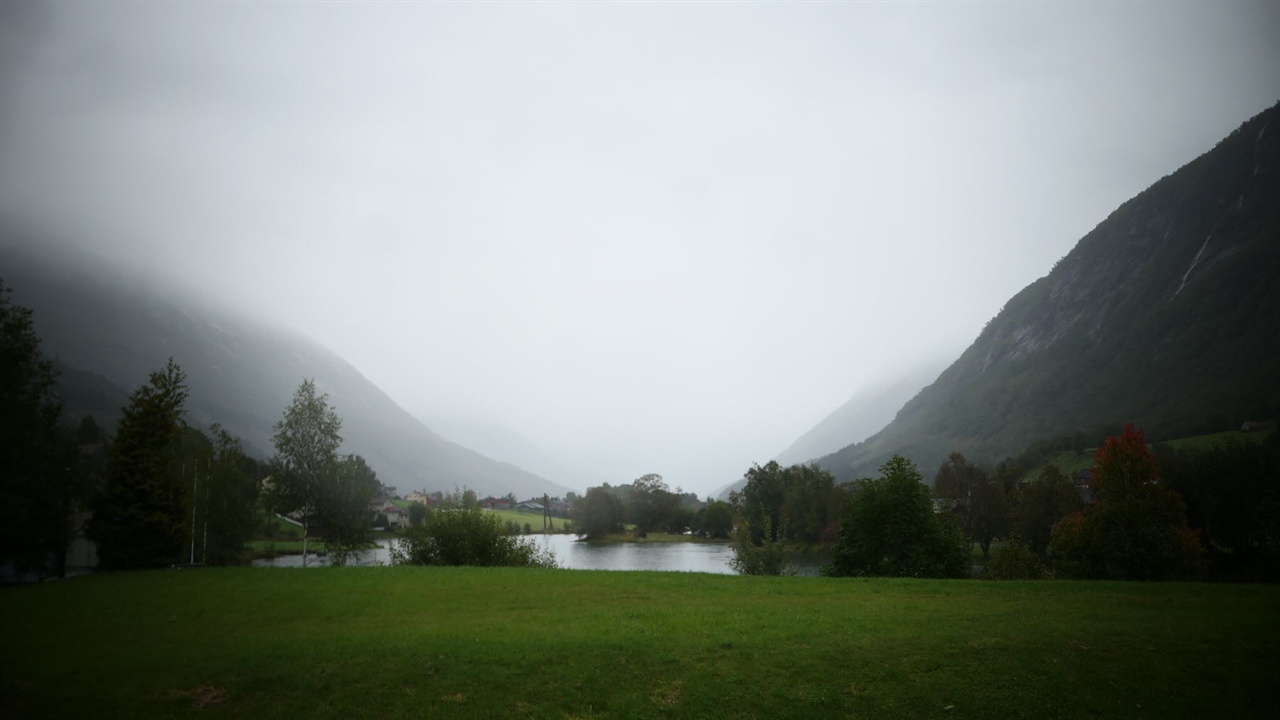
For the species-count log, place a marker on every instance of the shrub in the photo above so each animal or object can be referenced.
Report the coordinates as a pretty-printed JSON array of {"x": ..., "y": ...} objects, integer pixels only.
[
  {"x": 466, "y": 536},
  {"x": 1014, "y": 560},
  {"x": 765, "y": 555}
]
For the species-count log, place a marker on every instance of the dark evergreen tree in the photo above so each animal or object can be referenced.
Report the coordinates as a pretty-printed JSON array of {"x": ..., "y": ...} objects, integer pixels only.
[
  {"x": 36, "y": 486},
  {"x": 138, "y": 519}
]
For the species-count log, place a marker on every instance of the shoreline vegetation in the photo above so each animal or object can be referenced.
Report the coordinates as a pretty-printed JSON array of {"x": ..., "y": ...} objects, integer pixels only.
[{"x": 404, "y": 642}]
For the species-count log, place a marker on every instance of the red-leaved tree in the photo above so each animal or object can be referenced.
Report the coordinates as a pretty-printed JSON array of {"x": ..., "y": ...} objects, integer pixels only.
[{"x": 1135, "y": 530}]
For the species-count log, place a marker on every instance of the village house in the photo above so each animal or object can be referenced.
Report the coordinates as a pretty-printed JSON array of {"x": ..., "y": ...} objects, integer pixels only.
[{"x": 396, "y": 517}]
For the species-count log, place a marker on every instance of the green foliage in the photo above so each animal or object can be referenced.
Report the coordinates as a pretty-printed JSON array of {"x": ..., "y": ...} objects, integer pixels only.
[
  {"x": 651, "y": 506},
  {"x": 1014, "y": 560},
  {"x": 889, "y": 528},
  {"x": 138, "y": 519},
  {"x": 762, "y": 555},
  {"x": 596, "y": 514},
  {"x": 1232, "y": 491},
  {"x": 798, "y": 504},
  {"x": 38, "y": 487},
  {"x": 466, "y": 536},
  {"x": 1137, "y": 530},
  {"x": 229, "y": 504},
  {"x": 1041, "y": 503},
  {"x": 978, "y": 501},
  {"x": 714, "y": 520},
  {"x": 344, "y": 509},
  {"x": 307, "y": 476},
  {"x": 780, "y": 509},
  {"x": 417, "y": 513},
  {"x": 306, "y": 441}
]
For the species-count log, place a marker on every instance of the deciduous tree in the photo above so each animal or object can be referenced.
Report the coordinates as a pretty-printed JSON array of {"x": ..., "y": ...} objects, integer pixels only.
[
  {"x": 596, "y": 514},
  {"x": 889, "y": 528},
  {"x": 978, "y": 500},
  {"x": 1136, "y": 530},
  {"x": 344, "y": 508},
  {"x": 799, "y": 504},
  {"x": 1041, "y": 503},
  {"x": 305, "y": 465},
  {"x": 229, "y": 502},
  {"x": 651, "y": 505},
  {"x": 715, "y": 519}
]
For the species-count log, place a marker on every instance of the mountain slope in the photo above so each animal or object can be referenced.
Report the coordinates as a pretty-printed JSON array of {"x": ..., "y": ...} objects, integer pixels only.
[
  {"x": 865, "y": 412},
  {"x": 107, "y": 332},
  {"x": 1167, "y": 315}
]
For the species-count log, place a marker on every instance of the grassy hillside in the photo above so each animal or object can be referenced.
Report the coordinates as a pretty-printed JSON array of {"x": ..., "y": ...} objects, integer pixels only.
[
  {"x": 1070, "y": 461},
  {"x": 455, "y": 642}
]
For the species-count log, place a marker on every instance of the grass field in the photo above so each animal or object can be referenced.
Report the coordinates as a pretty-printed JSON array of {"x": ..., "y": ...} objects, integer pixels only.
[
  {"x": 534, "y": 519},
  {"x": 406, "y": 642}
]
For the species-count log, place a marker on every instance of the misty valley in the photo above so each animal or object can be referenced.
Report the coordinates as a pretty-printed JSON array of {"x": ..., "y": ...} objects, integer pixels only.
[{"x": 341, "y": 344}]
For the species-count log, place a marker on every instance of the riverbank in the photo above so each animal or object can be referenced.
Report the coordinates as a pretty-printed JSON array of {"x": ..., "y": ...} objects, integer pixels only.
[{"x": 460, "y": 642}]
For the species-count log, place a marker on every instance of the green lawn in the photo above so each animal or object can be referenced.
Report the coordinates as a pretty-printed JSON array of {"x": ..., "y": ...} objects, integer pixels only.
[
  {"x": 534, "y": 519},
  {"x": 406, "y": 642}
]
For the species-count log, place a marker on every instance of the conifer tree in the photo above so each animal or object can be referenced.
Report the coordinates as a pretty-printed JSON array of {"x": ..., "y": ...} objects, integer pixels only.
[
  {"x": 35, "y": 502},
  {"x": 138, "y": 520}
]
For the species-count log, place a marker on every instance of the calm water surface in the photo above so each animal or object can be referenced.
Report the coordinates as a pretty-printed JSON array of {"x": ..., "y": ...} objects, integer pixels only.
[{"x": 573, "y": 555}]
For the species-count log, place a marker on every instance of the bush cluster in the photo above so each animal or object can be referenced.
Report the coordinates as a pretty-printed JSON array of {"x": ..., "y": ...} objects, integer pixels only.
[{"x": 466, "y": 536}]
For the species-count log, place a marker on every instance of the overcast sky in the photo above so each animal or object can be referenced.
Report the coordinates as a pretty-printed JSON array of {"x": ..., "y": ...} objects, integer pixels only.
[{"x": 648, "y": 237}]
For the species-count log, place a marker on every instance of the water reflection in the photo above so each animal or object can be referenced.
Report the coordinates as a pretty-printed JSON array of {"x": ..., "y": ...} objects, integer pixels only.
[
  {"x": 678, "y": 556},
  {"x": 573, "y": 555}
]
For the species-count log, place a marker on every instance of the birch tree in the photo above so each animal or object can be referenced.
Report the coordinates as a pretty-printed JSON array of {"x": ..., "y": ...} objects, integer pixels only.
[{"x": 306, "y": 442}]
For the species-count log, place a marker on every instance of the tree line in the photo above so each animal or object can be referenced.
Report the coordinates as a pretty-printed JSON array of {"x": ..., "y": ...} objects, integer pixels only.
[
  {"x": 648, "y": 504},
  {"x": 162, "y": 492},
  {"x": 1145, "y": 513}
]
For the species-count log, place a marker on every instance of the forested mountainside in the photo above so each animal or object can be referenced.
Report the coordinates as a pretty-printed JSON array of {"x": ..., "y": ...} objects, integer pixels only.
[
  {"x": 105, "y": 332},
  {"x": 1166, "y": 315}
]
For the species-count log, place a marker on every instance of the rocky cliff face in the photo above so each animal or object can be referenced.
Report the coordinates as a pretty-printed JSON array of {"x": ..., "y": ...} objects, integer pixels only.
[{"x": 1167, "y": 314}]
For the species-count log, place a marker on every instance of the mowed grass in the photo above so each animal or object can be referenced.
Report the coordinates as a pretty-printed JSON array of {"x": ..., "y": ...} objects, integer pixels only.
[
  {"x": 533, "y": 519},
  {"x": 404, "y": 642}
]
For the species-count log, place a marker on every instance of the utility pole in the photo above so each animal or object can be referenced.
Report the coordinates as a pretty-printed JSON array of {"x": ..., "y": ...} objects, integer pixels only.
[{"x": 195, "y": 488}]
